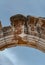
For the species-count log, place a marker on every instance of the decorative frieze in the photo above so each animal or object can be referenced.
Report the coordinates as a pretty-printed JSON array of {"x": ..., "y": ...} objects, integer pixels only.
[{"x": 24, "y": 31}]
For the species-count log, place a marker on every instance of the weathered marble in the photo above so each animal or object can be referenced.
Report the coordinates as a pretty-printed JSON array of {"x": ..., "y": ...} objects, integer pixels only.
[{"x": 24, "y": 31}]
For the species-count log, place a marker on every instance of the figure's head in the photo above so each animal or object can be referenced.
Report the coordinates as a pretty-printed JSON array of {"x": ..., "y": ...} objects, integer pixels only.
[
  {"x": 17, "y": 21},
  {"x": 32, "y": 20}
]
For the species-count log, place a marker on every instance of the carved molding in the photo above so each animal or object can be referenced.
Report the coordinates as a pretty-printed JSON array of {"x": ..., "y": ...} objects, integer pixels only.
[{"x": 24, "y": 31}]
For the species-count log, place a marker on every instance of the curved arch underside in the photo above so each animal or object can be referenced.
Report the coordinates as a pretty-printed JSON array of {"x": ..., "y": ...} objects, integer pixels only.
[{"x": 24, "y": 31}]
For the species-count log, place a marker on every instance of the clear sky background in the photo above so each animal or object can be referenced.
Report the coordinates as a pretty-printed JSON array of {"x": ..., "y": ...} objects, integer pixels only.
[{"x": 21, "y": 55}]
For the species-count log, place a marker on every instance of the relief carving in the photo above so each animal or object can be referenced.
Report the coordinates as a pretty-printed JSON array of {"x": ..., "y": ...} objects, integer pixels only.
[{"x": 24, "y": 31}]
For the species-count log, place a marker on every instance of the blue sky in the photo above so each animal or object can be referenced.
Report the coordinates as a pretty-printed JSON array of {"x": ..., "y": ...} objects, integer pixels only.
[{"x": 21, "y": 55}]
